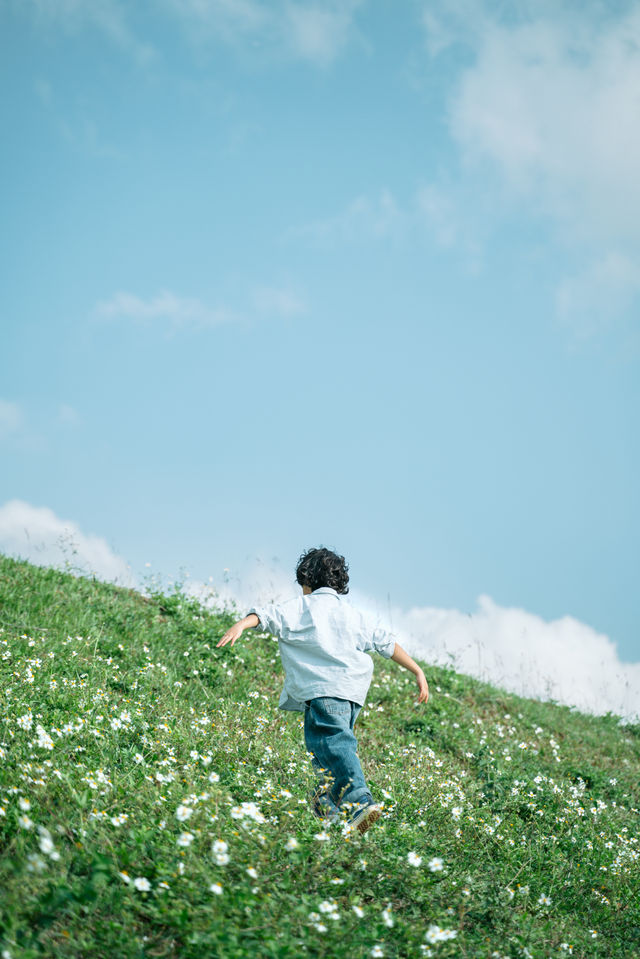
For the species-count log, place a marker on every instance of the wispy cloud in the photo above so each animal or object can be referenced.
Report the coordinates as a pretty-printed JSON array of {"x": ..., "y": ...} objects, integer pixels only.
[
  {"x": 68, "y": 415},
  {"x": 364, "y": 217},
  {"x": 231, "y": 21},
  {"x": 165, "y": 307},
  {"x": 175, "y": 314},
  {"x": 435, "y": 212},
  {"x": 278, "y": 301},
  {"x": 589, "y": 301},
  {"x": 108, "y": 17},
  {"x": 12, "y": 418},
  {"x": 319, "y": 32},
  {"x": 313, "y": 32}
]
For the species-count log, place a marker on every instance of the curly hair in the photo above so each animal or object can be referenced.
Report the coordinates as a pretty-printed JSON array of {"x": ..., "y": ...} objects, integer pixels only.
[{"x": 322, "y": 567}]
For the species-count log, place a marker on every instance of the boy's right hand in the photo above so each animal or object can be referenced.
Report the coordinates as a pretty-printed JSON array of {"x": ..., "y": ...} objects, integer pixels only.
[
  {"x": 423, "y": 686},
  {"x": 235, "y": 632}
]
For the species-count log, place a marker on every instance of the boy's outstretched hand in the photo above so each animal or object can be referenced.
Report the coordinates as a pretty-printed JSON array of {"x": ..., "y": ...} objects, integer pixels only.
[
  {"x": 403, "y": 658},
  {"x": 233, "y": 633},
  {"x": 423, "y": 687}
]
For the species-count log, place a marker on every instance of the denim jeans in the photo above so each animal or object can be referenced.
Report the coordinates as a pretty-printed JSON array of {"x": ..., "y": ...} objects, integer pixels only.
[{"x": 328, "y": 734}]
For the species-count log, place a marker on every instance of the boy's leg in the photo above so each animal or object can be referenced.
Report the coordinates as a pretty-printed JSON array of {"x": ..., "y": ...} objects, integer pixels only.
[
  {"x": 322, "y": 805},
  {"x": 328, "y": 730},
  {"x": 321, "y": 802}
]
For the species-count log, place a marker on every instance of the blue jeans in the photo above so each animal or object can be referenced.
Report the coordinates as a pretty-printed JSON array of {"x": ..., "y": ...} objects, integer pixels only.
[{"x": 328, "y": 734}]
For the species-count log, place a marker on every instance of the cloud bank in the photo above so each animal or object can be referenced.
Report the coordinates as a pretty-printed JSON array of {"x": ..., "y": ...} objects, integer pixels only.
[
  {"x": 35, "y": 533},
  {"x": 563, "y": 660}
]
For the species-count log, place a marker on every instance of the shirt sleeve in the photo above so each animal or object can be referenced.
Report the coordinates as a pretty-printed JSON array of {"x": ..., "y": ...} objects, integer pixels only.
[
  {"x": 383, "y": 642},
  {"x": 376, "y": 638},
  {"x": 270, "y": 618}
]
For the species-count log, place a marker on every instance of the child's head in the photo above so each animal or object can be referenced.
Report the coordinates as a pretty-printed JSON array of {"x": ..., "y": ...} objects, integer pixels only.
[{"x": 321, "y": 567}]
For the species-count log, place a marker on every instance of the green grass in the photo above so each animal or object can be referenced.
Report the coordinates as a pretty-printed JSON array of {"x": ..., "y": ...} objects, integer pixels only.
[{"x": 116, "y": 709}]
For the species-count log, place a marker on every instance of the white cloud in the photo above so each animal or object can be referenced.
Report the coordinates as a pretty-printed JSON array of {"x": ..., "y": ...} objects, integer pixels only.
[
  {"x": 177, "y": 313},
  {"x": 554, "y": 106},
  {"x": 11, "y": 418},
  {"x": 563, "y": 660},
  {"x": 546, "y": 118},
  {"x": 38, "y": 535}
]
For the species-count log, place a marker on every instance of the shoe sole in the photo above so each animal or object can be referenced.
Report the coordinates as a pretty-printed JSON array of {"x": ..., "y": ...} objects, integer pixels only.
[{"x": 368, "y": 819}]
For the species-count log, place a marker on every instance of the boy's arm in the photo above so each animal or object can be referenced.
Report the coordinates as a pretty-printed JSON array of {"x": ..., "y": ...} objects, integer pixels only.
[
  {"x": 403, "y": 658},
  {"x": 236, "y": 631}
]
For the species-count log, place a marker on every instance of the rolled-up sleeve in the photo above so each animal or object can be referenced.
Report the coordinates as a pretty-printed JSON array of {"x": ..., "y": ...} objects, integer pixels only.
[
  {"x": 270, "y": 618},
  {"x": 383, "y": 642},
  {"x": 372, "y": 637}
]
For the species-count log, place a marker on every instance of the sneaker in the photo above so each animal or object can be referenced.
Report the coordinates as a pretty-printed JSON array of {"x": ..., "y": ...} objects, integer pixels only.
[{"x": 365, "y": 817}]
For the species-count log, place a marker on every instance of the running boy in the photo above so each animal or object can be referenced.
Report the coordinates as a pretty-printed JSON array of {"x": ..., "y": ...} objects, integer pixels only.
[{"x": 323, "y": 646}]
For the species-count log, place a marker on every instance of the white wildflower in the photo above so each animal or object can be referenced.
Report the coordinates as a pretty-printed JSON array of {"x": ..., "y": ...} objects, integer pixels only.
[{"x": 438, "y": 934}]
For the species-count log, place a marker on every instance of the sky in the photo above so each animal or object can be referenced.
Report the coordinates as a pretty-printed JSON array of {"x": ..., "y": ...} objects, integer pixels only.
[{"x": 360, "y": 274}]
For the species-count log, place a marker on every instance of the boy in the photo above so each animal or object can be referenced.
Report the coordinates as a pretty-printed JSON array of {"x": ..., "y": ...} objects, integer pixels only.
[{"x": 323, "y": 646}]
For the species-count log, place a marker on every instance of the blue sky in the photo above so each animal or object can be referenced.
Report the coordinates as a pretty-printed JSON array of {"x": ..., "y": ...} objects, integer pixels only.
[{"x": 359, "y": 274}]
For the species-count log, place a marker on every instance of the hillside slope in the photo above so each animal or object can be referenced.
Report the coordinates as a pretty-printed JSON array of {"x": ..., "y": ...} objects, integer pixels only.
[{"x": 153, "y": 800}]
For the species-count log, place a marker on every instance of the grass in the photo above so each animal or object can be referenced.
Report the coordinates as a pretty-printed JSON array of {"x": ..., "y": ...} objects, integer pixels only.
[{"x": 153, "y": 800}]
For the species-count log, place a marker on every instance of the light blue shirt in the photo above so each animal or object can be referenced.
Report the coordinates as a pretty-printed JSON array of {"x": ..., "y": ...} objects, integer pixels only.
[{"x": 323, "y": 643}]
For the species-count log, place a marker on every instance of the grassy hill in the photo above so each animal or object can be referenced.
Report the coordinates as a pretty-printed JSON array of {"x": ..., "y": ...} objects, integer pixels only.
[{"x": 153, "y": 800}]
